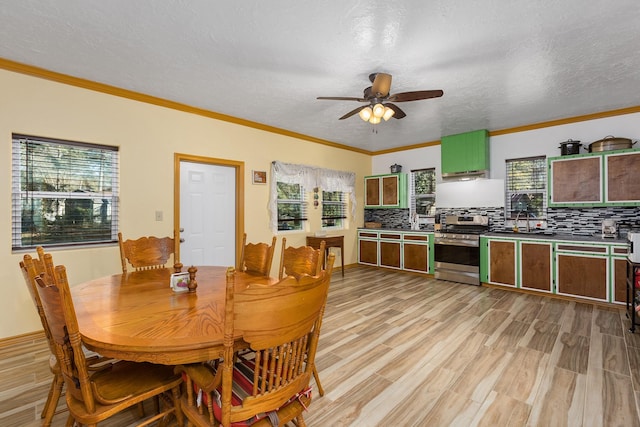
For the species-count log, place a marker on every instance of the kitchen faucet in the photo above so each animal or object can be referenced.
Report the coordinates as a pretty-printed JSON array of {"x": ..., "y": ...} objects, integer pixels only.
[{"x": 526, "y": 213}]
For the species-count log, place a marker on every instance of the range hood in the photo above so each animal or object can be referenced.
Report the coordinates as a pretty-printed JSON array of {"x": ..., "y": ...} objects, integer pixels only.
[{"x": 465, "y": 155}]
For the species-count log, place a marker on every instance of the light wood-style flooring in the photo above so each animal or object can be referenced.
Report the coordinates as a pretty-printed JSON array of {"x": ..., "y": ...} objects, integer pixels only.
[{"x": 406, "y": 350}]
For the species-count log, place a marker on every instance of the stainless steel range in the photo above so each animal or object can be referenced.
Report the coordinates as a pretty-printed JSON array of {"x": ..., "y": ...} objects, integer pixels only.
[{"x": 457, "y": 248}]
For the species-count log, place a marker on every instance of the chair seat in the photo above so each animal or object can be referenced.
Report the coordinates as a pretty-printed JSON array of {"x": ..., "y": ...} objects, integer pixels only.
[
  {"x": 243, "y": 372},
  {"x": 117, "y": 384}
]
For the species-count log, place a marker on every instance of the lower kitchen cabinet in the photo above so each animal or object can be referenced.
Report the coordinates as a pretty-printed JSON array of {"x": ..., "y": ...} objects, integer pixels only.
[
  {"x": 595, "y": 271},
  {"x": 410, "y": 251},
  {"x": 415, "y": 255},
  {"x": 368, "y": 248},
  {"x": 502, "y": 262},
  {"x": 535, "y": 266},
  {"x": 390, "y": 250}
]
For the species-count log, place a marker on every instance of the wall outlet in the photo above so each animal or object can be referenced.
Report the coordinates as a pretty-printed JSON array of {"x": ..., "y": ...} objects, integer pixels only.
[{"x": 158, "y": 215}]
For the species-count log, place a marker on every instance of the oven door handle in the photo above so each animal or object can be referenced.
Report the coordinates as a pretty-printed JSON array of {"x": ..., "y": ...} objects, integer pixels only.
[{"x": 453, "y": 242}]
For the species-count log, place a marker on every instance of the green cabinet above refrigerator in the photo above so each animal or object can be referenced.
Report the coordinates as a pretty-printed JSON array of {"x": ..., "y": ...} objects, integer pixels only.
[{"x": 465, "y": 154}]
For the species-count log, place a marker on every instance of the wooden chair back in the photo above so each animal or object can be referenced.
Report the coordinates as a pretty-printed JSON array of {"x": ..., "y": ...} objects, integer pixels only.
[
  {"x": 93, "y": 397},
  {"x": 146, "y": 253},
  {"x": 279, "y": 323},
  {"x": 297, "y": 261},
  {"x": 256, "y": 258}
]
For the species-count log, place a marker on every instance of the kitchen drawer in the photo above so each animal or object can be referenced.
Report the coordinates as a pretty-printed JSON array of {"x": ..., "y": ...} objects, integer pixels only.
[
  {"x": 390, "y": 236},
  {"x": 416, "y": 237},
  {"x": 584, "y": 248}
]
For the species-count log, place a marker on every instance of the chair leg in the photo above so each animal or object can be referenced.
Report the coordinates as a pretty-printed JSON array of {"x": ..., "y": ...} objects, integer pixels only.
[
  {"x": 317, "y": 377},
  {"x": 52, "y": 400}
]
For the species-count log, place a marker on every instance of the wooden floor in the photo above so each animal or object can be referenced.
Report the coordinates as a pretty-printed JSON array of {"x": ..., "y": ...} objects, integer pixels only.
[{"x": 405, "y": 350}]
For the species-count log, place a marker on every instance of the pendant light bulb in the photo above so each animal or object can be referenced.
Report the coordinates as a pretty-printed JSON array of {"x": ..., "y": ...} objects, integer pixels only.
[
  {"x": 374, "y": 120},
  {"x": 388, "y": 113},
  {"x": 365, "y": 113},
  {"x": 378, "y": 110}
]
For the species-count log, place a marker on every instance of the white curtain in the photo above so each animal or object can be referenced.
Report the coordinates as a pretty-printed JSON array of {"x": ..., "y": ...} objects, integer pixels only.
[{"x": 309, "y": 177}]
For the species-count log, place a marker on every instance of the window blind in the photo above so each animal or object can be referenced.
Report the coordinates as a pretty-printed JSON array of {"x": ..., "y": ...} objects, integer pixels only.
[
  {"x": 334, "y": 209},
  {"x": 64, "y": 193},
  {"x": 526, "y": 183}
]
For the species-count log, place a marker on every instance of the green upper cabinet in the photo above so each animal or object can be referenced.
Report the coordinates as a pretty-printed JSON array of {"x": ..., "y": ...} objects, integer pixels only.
[
  {"x": 386, "y": 191},
  {"x": 465, "y": 152}
]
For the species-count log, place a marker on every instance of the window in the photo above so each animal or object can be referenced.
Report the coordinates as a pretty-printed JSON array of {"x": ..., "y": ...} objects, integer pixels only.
[
  {"x": 333, "y": 209},
  {"x": 63, "y": 193},
  {"x": 526, "y": 193},
  {"x": 292, "y": 206},
  {"x": 423, "y": 192}
]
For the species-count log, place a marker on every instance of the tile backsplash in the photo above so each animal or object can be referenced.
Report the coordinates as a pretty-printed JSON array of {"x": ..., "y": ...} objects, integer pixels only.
[{"x": 586, "y": 221}]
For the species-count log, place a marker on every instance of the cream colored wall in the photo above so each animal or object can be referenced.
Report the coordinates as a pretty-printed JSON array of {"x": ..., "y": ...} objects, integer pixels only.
[{"x": 148, "y": 137}]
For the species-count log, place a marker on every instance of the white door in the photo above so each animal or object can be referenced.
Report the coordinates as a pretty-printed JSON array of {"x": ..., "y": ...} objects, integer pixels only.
[{"x": 207, "y": 214}]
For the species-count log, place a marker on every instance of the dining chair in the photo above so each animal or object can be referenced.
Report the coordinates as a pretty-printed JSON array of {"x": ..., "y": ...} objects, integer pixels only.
[
  {"x": 281, "y": 325},
  {"x": 146, "y": 253},
  {"x": 256, "y": 258},
  {"x": 296, "y": 261},
  {"x": 31, "y": 268},
  {"x": 95, "y": 396}
]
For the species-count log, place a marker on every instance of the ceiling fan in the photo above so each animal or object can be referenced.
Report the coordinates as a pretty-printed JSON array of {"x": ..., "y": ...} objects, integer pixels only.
[{"x": 380, "y": 101}]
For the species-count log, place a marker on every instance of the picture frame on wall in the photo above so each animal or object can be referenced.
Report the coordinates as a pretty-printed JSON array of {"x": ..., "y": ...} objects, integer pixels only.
[{"x": 259, "y": 177}]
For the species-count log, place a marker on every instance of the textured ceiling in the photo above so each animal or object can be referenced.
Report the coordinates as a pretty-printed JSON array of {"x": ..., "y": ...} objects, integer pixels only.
[{"x": 501, "y": 64}]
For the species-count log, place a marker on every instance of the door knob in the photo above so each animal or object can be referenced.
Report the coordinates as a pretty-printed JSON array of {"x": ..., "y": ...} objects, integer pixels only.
[{"x": 181, "y": 240}]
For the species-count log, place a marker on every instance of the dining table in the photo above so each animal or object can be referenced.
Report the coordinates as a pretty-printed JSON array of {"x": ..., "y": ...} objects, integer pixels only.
[{"x": 137, "y": 316}]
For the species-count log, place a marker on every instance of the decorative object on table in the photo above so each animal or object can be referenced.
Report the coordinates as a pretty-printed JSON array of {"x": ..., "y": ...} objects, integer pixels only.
[
  {"x": 177, "y": 267},
  {"x": 259, "y": 177},
  {"x": 193, "y": 283},
  {"x": 371, "y": 224},
  {"x": 180, "y": 282},
  {"x": 316, "y": 197}
]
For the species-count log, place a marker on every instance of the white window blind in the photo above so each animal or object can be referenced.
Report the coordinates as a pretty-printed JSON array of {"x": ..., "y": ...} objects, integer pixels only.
[
  {"x": 292, "y": 206},
  {"x": 526, "y": 187},
  {"x": 334, "y": 209},
  {"x": 64, "y": 193}
]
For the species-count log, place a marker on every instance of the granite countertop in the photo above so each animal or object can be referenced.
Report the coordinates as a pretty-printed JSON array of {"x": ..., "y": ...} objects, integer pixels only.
[
  {"x": 537, "y": 235},
  {"x": 540, "y": 235}
]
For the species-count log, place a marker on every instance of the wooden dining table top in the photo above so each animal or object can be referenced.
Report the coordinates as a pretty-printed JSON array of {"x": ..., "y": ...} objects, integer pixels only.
[{"x": 136, "y": 316}]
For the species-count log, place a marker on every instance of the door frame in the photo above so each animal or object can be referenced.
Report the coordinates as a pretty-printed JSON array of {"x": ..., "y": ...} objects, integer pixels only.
[{"x": 239, "y": 175}]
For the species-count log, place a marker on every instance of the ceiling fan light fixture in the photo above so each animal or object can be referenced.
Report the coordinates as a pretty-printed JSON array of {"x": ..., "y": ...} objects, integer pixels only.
[
  {"x": 365, "y": 114},
  {"x": 388, "y": 113},
  {"x": 374, "y": 120},
  {"x": 378, "y": 110}
]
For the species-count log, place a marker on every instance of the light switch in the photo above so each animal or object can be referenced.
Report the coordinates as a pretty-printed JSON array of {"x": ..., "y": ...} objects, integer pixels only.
[{"x": 158, "y": 215}]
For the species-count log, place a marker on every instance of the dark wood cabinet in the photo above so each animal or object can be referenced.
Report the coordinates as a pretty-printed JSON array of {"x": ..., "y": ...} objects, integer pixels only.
[
  {"x": 502, "y": 262},
  {"x": 535, "y": 266},
  {"x": 623, "y": 177},
  {"x": 619, "y": 280},
  {"x": 415, "y": 252},
  {"x": 576, "y": 180},
  {"x": 368, "y": 248},
  {"x": 386, "y": 191},
  {"x": 390, "y": 249},
  {"x": 582, "y": 275}
]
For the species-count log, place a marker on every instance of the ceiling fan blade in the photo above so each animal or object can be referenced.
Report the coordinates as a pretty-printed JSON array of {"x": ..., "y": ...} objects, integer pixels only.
[
  {"x": 398, "y": 113},
  {"x": 381, "y": 85},
  {"x": 416, "y": 95},
  {"x": 343, "y": 98},
  {"x": 352, "y": 112}
]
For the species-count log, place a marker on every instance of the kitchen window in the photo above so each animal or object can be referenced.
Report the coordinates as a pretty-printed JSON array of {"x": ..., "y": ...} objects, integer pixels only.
[
  {"x": 334, "y": 209},
  {"x": 292, "y": 206},
  {"x": 422, "y": 190},
  {"x": 526, "y": 188},
  {"x": 64, "y": 193}
]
